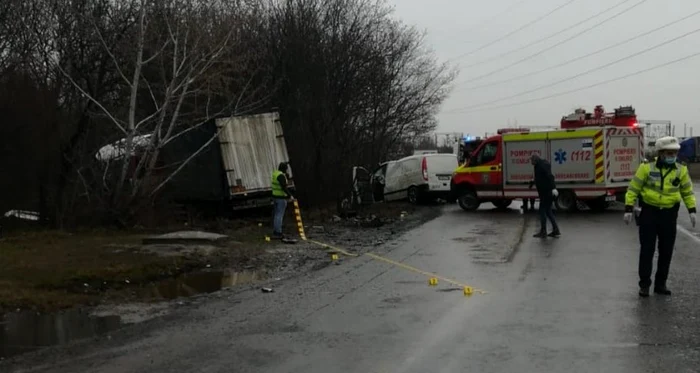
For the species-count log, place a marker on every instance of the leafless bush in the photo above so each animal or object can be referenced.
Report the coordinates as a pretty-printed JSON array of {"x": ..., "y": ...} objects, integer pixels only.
[{"x": 353, "y": 85}]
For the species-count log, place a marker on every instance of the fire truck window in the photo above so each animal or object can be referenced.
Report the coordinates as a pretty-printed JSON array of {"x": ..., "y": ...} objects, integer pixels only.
[{"x": 487, "y": 153}]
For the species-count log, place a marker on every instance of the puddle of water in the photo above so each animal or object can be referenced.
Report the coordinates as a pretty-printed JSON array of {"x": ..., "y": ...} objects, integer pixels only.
[
  {"x": 23, "y": 332},
  {"x": 201, "y": 282}
]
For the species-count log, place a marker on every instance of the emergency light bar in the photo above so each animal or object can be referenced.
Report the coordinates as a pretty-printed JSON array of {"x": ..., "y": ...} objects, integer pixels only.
[{"x": 511, "y": 130}]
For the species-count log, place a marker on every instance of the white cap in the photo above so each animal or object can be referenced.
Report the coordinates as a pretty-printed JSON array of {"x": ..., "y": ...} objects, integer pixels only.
[{"x": 667, "y": 143}]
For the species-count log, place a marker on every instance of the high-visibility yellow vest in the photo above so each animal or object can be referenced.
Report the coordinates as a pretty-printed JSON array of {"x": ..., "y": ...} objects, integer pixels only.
[
  {"x": 661, "y": 187},
  {"x": 277, "y": 190}
]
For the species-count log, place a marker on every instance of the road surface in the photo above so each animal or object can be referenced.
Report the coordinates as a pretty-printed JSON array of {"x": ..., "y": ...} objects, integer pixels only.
[{"x": 554, "y": 305}]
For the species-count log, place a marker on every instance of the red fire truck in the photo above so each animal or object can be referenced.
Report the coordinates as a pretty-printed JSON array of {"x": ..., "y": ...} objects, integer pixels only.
[
  {"x": 624, "y": 116},
  {"x": 593, "y": 159}
]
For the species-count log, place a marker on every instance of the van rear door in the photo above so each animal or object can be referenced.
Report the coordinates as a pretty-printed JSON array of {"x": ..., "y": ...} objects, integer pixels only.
[{"x": 439, "y": 169}]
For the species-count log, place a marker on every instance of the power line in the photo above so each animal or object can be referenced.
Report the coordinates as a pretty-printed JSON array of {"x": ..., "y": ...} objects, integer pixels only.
[
  {"x": 587, "y": 71},
  {"x": 548, "y": 37},
  {"x": 557, "y": 44},
  {"x": 576, "y": 59},
  {"x": 514, "y": 31},
  {"x": 496, "y": 16},
  {"x": 585, "y": 87}
]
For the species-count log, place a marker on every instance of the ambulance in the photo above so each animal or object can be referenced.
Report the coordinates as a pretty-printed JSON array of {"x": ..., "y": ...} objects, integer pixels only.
[{"x": 591, "y": 165}]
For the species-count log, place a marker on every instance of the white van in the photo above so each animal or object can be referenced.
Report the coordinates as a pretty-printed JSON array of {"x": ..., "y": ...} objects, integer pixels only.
[{"x": 416, "y": 178}]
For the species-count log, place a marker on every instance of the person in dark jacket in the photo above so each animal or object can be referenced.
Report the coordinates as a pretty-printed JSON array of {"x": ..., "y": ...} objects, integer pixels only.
[
  {"x": 280, "y": 195},
  {"x": 547, "y": 191}
]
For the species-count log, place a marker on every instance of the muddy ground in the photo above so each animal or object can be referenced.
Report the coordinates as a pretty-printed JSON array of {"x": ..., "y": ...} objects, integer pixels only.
[{"x": 49, "y": 278}]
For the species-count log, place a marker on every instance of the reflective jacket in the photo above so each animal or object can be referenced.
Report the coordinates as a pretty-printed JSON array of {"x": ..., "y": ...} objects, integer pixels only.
[
  {"x": 661, "y": 186},
  {"x": 277, "y": 188}
]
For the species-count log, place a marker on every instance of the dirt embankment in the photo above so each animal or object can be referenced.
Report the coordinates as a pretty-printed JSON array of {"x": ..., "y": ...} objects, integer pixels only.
[{"x": 50, "y": 270}]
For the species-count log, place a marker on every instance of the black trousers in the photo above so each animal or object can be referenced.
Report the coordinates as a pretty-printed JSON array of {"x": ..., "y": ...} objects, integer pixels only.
[
  {"x": 547, "y": 213},
  {"x": 656, "y": 225}
]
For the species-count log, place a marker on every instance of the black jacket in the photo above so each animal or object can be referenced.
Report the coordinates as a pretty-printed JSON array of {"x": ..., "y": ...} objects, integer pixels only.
[{"x": 544, "y": 180}]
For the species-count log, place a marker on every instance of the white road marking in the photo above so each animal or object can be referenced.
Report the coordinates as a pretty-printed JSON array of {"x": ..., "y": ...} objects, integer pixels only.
[{"x": 688, "y": 233}]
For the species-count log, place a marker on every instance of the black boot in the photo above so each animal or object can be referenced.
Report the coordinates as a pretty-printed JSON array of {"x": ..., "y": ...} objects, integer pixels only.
[
  {"x": 555, "y": 234},
  {"x": 663, "y": 290},
  {"x": 644, "y": 292},
  {"x": 541, "y": 234}
]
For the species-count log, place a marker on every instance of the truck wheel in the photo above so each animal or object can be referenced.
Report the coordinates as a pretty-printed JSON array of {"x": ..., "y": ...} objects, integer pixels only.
[
  {"x": 598, "y": 204},
  {"x": 468, "y": 201},
  {"x": 413, "y": 195},
  {"x": 345, "y": 205},
  {"x": 502, "y": 204},
  {"x": 566, "y": 201}
]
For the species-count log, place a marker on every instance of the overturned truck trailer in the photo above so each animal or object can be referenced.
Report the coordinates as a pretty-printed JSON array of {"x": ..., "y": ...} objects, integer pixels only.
[{"x": 232, "y": 172}]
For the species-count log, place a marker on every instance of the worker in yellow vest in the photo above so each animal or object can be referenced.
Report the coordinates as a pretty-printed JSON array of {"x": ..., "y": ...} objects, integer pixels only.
[
  {"x": 660, "y": 186},
  {"x": 280, "y": 195}
]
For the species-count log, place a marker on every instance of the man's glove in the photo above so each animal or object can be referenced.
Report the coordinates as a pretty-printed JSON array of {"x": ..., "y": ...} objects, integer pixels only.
[
  {"x": 555, "y": 193},
  {"x": 628, "y": 217},
  {"x": 692, "y": 219}
]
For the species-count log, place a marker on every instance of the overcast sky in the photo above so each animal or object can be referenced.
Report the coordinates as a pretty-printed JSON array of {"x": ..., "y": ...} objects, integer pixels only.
[{"x": 459, "y": 27}]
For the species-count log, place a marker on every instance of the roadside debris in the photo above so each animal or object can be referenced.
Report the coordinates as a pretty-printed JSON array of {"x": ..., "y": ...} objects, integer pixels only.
[
  {"x": 185, "y": 237},
  {"x": 268, "y": 290}
]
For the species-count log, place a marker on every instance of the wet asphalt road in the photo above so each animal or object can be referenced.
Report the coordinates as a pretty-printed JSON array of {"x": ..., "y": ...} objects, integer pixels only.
[{"x": 555, "y": 305}]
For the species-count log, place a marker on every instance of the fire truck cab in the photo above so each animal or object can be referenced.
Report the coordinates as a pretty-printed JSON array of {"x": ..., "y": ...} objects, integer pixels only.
[
  {"x": 592, "y": 163},
  {"x": 467, "y": 146}
]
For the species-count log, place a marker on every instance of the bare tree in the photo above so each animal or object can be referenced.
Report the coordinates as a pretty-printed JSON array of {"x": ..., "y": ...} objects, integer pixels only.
[
  {"x": 170, "y": 68},
  {"x": 352, "y": 83}
]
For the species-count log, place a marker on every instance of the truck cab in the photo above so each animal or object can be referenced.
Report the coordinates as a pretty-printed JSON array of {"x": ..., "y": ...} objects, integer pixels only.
[{"x": 480, "y": 176}]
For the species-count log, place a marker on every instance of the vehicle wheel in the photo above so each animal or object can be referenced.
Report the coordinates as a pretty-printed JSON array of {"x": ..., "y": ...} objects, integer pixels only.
[
  {"x": 345, "y": 205},
  {"x": 502, "y": 203},
  {"x": 598, "y": 204},
  {"x": 413, "y": 195},
  {"x": 566, "y": 201},
  {"x": 468, "y": 201}
]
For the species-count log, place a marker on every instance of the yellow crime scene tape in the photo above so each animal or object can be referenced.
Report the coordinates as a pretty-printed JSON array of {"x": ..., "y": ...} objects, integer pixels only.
[
  {"x": 300, "y": 224},
  {"x": 432, "y": 277}
]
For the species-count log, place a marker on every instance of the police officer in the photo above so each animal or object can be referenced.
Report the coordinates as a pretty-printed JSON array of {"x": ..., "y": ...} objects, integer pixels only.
[{"x": 660, "y": 186}]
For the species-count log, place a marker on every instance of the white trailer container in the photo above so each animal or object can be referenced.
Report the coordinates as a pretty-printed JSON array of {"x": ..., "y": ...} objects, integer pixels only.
[{"x": 252, "y": 147}]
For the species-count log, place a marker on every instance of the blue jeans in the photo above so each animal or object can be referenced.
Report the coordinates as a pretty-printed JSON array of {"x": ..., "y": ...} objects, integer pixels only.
[{"x": 280, "y": 205}]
